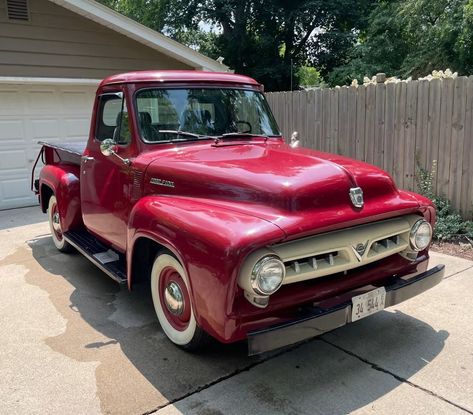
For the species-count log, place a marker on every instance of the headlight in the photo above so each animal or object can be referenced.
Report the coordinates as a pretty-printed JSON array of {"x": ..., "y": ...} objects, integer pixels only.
[
  {"x": 267, "y": 275},
  {"x": 421, "y": 234}
]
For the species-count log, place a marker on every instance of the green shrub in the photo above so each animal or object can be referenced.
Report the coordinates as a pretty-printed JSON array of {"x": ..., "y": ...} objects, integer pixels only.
[{"x": 450, "y": 226}]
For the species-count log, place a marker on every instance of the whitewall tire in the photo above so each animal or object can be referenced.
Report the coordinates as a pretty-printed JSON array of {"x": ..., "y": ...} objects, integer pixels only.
[
  {"x": 171, "y": 299},
  {"x": 55, "y": 226}
]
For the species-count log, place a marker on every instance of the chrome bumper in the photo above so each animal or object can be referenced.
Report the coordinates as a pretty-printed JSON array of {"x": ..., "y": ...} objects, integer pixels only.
[{"x": 320, "y": 320}]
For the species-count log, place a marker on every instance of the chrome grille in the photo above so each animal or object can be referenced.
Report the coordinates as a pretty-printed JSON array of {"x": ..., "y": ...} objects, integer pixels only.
[
  {"x": 314, "y": 263},
  {"x": 334, "y": 252},
  {"x": 385, "y": 244}
]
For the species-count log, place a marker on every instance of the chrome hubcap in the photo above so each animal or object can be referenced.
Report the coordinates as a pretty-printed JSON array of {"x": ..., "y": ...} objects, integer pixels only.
[
  {"x": 174, "y": 298},
  {"x": 56, "y": 222}
]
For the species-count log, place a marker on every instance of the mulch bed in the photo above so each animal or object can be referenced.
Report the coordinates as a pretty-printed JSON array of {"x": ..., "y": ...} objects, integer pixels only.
[{"x": 459, "y": 249}]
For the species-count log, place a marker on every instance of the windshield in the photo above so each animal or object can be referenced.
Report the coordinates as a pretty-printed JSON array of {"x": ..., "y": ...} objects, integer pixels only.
[{"x": 165, "y": 113}]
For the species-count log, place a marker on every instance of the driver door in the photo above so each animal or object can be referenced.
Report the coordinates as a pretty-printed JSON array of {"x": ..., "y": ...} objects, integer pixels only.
[{"x": 105, "y": 180}]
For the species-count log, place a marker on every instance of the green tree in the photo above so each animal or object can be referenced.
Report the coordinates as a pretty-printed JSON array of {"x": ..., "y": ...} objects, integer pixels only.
[
  {"x": 151, "y": 13},
  {"x": 309, "y": 77},
  {"x": 464, "y": 43},
  {"x": 264, "y": 38},
  {"x": 411, "y": 38}
]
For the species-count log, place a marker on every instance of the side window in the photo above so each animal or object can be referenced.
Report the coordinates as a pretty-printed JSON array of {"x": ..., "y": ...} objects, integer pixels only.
[{"x": 112, "y": 119}]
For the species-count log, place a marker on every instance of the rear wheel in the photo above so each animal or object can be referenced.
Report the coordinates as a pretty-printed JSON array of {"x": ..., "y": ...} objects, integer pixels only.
[
  {"x": 55, "y": 226},
  {"x": 170, "y": 292}
]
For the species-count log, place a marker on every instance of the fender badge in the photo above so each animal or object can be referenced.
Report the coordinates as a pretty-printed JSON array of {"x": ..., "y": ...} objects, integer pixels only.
[
  {"x": 356, "y": 196},
  {"x": 161, "y": 182}
]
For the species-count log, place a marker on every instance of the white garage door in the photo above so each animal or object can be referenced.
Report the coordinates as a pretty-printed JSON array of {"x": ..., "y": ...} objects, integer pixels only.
[{"x": 30, "y": 113}]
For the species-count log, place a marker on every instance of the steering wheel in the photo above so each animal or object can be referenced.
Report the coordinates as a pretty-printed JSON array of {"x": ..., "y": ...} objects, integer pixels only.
[{"x": 244, "y": 122}]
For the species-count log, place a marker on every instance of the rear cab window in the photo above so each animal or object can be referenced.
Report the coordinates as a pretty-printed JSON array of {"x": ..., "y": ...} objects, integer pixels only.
[{"x": 112, "y": 119}]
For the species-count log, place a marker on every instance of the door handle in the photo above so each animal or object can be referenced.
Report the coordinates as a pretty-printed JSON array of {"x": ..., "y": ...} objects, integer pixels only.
[{"x": 85, "y": 159}]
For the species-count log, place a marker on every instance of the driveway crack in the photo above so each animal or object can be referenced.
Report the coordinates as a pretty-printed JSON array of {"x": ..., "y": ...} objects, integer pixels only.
[
  {"x": 397, "y": 377},
  {"x": 458, "y": 272},
  {"x": 230, "y": 375}
]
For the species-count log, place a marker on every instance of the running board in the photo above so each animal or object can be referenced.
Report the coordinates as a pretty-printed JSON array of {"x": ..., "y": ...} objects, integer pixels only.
[{"x": 99, "y": 254}]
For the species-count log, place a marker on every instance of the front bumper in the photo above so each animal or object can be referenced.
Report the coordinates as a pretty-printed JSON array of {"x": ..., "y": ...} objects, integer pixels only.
[{"x": 336, "y": 312}]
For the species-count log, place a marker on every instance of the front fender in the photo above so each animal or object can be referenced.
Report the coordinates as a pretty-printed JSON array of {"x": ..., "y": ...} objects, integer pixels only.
[
  {"x": 210, "y": 241},
  {"x": 426, "y": 206},
  {"x": 63, "y": 180}
]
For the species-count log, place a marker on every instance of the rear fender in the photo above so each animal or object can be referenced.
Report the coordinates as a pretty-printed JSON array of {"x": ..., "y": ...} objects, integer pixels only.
[
  {"x": 211, "y": 243},
  {"x": 63, "y": 181}
]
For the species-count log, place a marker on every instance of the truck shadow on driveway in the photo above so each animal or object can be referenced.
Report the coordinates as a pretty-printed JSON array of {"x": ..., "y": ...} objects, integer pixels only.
[{"x": 140, "y": 370}]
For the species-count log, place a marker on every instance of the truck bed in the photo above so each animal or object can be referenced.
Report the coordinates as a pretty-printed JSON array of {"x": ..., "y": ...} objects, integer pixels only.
[
  {"x": 69, "y": 153},
  {"x": 72, "y": 148},
  {"x": 57, "y": 153}
]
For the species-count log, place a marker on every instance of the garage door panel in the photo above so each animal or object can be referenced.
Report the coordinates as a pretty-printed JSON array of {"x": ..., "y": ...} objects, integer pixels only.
[
  {"x": 29, "y": 114},
  {"x": 13, "y": 159},
  {"x": 42, "y": 102},
  {"x": 11, "y": 130},
  {"x": 78, "y": 102},
  {"x": 13, "y": 191},
  {"x": 42, "y": 129},
  {"x": 11, "y": 102},
  {"x": 74, "y": 128}
]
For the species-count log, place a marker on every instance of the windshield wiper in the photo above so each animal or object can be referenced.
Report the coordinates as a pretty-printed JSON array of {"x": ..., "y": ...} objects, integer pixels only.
[{"x": 184, "y": 134}]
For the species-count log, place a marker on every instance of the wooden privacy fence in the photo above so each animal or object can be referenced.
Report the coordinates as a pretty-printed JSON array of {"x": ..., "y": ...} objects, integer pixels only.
[{"x": 394, "y": 125}]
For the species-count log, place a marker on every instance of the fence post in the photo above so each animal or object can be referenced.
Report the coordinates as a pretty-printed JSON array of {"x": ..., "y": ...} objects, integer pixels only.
[{"x": 380, "y": 78}]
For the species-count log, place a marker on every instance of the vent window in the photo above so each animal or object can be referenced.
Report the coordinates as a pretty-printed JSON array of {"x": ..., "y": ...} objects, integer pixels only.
[{"x": 17, "y": 10}]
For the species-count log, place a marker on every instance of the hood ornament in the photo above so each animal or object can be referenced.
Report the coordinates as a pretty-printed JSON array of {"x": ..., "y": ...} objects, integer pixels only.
[{"x": 356, "y": 196}]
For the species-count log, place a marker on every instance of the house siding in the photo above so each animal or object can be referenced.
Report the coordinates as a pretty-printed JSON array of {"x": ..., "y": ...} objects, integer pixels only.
[{"x": 56, "y": 42}]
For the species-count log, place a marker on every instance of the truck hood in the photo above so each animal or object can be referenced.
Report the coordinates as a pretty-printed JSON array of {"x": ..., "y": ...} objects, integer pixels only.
[{"x": 275, "y": 182}]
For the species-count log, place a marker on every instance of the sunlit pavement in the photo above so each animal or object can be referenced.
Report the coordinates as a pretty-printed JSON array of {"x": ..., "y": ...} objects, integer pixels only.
[{"x": 74, "y": 342}]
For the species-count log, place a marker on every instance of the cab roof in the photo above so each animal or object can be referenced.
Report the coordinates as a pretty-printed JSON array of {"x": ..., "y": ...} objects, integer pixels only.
[{"x": 179, "y": 77}]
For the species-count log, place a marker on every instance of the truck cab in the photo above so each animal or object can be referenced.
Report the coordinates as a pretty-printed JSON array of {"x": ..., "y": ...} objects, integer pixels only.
[{"x": 186, "y": 185}]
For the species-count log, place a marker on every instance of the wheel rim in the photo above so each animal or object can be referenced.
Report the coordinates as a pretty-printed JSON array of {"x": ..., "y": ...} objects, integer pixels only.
[
  {"x": 174, "y": 298},
  {"x": 56, "y": 222}
]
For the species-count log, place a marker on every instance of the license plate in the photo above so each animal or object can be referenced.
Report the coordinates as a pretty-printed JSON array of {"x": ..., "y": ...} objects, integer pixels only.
[{"x": 369, "y": 303}]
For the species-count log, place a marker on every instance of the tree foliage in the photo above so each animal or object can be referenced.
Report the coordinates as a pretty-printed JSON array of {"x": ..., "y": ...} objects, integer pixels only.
[
  {"x": 151, "y": 13},
  {"x": 343, "y": 39},
  {"x": 309, "y": 77},
  {"x": 264, "y": 39},
  {"x": 412, "y": 38}
]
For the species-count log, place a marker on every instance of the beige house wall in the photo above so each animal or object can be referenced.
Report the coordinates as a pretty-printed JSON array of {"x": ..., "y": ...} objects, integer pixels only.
[{"x": 56, "y": 42}]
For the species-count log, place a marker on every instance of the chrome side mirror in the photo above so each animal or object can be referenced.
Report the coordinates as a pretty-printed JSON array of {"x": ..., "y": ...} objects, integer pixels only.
[{"x": 108, "y": 147}]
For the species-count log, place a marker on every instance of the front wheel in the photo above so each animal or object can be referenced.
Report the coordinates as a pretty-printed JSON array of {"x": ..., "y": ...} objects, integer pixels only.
[
  {"x": 55, "y": 226},
  {"x": 170, "y": 292}
]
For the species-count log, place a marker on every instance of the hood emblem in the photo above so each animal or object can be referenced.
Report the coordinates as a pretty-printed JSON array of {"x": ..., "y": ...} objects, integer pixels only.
[
  {"x": 356, "y": 196},
  {"x": 359, "y": 249}
]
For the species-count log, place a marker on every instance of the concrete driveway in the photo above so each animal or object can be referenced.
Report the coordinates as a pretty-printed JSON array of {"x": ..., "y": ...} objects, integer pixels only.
[{"x": 73, "y": 342}]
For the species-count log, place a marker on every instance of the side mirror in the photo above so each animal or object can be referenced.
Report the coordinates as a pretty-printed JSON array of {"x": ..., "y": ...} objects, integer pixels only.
[{"x": 108, "y": 147}]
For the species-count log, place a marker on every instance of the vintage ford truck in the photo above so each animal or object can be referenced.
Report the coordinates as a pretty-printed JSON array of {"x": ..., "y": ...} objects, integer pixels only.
[{"x": 186, "y": 185}]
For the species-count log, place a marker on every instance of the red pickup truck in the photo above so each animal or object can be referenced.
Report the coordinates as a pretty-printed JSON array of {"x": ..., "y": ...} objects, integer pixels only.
[{"x": 186, "y": 185}]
